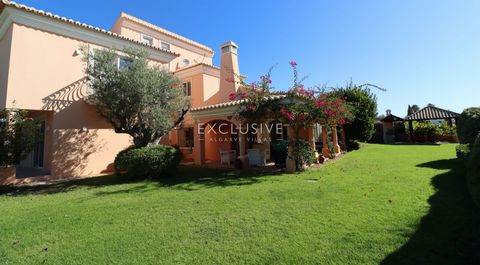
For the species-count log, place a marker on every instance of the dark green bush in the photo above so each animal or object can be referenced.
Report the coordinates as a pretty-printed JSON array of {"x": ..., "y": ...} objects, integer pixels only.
[
  {"x": 280, "y": 152},
  {"x": 363, "y": 105},
  {"x": 303, "y": 153},
  {"x": 473, "y": 171},
  {"x": 468, "y": 125},
  {"x": 462, "y": 151},
  {"x": 148, "y": 162}
]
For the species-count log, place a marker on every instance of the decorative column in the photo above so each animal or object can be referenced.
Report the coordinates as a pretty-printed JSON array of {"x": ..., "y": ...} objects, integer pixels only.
[
  {"x": 291, "y": 166},
  {"x": 344, "y": 139},
  {"x": 199, "y": 143},
  {"x": 336, "y": 147},
  {"x": 242, "y": 141},
  {"x": 410, "y": 129},
  {"x": 325, "y": 149},
  {"x": 311, "y": 141}
]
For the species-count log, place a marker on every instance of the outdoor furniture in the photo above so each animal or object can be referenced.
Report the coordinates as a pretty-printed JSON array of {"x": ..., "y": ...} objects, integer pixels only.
[
  {"x": 266, "y": 156},
  {"x": 254, "y": 157},
  {"x": 227, "y": 157}
]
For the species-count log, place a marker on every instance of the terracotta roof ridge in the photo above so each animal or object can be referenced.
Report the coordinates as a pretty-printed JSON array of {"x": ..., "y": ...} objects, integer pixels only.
[
  {"x": 197, "y": 64},
  {"x": 77, "y": 23},
  {"x": 165, "y": 31},
  {"x": 232, "y": 103}
]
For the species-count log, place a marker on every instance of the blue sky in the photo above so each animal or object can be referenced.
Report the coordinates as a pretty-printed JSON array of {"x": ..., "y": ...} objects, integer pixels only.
[{"x": 421, "y": 51}]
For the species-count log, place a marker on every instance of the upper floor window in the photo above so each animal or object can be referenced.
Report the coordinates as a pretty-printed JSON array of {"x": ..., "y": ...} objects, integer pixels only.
[
  {"x": 185, "y": 62},
  {"x": 147, "y": 40},
  {"x": 165, "y": 45},
  {"x": 123, "y": 63},
  {"x": 187, "y": 88}
]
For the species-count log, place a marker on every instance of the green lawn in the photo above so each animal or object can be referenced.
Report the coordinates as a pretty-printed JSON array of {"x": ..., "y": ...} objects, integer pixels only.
[{"x": 381, "y": 204}]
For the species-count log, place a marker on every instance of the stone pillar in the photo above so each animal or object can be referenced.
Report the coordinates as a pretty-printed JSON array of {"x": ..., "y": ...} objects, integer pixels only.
[
  {"x": 336, "y": 147},
  {"x": 199, "y": 143},
  {"x": 344, "y": 139},
  {"x": 325, "y": 150},
  {"x": 291, "y": 166},
  {"x": 242, "y": 141}
]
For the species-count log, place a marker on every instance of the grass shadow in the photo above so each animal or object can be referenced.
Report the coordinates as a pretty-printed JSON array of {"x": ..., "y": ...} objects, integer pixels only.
[
  {"x": 194, "y": 178},
  {"x": 449, "y": 233},
  {"x": 186, "y": 178}
]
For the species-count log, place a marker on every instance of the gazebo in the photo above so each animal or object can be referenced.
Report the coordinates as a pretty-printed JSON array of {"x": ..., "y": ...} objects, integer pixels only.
[
  {"x": 389, "y": 123},
  {"x": 430, "y": 113}
]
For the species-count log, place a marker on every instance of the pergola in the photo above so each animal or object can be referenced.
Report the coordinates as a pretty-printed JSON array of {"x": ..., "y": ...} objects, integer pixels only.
[{"x": 430, "y": 113}]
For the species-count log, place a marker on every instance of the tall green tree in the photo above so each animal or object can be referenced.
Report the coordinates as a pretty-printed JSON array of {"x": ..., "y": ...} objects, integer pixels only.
[
  {"x": 415, "y": 108},
  {"x": 138, "y": 99},
  {"x": 363, "y": 106}
]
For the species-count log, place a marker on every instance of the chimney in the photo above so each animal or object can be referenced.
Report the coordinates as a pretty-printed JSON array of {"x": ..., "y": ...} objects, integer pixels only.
[{"x": 229, "y": 70}]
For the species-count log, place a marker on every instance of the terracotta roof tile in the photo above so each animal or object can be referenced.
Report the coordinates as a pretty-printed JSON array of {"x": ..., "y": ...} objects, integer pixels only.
[
  {"x": 164, "y": 31},
  {"x": 4, "y": 3},
  {"x": 232, "y": 103}
]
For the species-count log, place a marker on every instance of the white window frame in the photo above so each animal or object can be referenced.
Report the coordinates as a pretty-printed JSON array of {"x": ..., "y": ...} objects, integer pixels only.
[
  {"x": 165, "y": 43},
  {"x": 185, "y": 62},
  {"x": 145, "y": 36},
  {"x": 120, "y": 58}
]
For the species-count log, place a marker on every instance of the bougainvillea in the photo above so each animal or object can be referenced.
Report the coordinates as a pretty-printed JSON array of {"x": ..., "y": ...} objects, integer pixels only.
[{"x": 299, "y": 107}]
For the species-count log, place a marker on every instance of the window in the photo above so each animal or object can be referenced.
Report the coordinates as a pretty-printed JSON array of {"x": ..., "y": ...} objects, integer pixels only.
[
  {"x": 185, "y": 62},
  {"x": 123, "y": 63},
  {"x": 187, "y": 88},
  {"x": 147, "y": 40},
  {"x": 165, "y": 45},
  {"x": 185, "y": 137},
  {"x": 189, "y": 137}
]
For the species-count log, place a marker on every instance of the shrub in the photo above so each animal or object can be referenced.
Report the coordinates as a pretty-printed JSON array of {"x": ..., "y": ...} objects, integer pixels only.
[
  {"x": 148, "y": 162},
  {"x": 473, "y": 171},
  {"x": 463, "y": 151},
  {"x": 363, "y": 105},
  {"x": 280, "y": 152},
  {"x": 468, "y": 125},
  {"x": 445, "y": 129},
  {"x": 303, "y": 153},
  {"x": 18, "y": 136}
]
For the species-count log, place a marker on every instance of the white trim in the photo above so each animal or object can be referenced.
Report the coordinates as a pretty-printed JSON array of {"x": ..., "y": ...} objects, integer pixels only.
[
  {"x": 145, "y": 36},
  {"x": 161, "y": 42},
  {"x": 12, "y": 15},
  {"x": 214, "y": 113}
]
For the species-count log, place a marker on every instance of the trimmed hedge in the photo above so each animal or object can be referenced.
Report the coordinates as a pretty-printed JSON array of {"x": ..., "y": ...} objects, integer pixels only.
[
  {"x": 473, "y": 171},
  {"x": 148, "y": 162},
  {"x": 468, "y": 125}
]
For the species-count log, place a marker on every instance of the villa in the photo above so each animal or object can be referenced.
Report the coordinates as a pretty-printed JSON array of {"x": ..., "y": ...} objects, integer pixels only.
[{"x": 41, "y": 70}]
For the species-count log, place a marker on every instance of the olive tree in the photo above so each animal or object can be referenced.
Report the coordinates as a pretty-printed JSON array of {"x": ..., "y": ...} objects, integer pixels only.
[{"x": 142, "y": 100}]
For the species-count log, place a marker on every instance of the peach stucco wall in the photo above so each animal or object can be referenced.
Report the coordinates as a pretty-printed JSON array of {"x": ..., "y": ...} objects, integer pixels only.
[
  {"x": 5, "y": 44},
  {"x": 45, "y": 75},
  {"x": 135, "y": 31}
]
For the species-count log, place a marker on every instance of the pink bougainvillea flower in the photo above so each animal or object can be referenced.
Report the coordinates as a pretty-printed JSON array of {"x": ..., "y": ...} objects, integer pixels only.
[
  {"x": 252, "y": 107},
  {"x": 293, "y": 63},
  {"x": 232, "y": 96},
  {"x": 266, "y": 79}
]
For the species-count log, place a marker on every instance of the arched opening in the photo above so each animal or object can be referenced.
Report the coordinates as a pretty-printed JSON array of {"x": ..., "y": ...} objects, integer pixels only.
[{"x": 220, "y": 136}]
